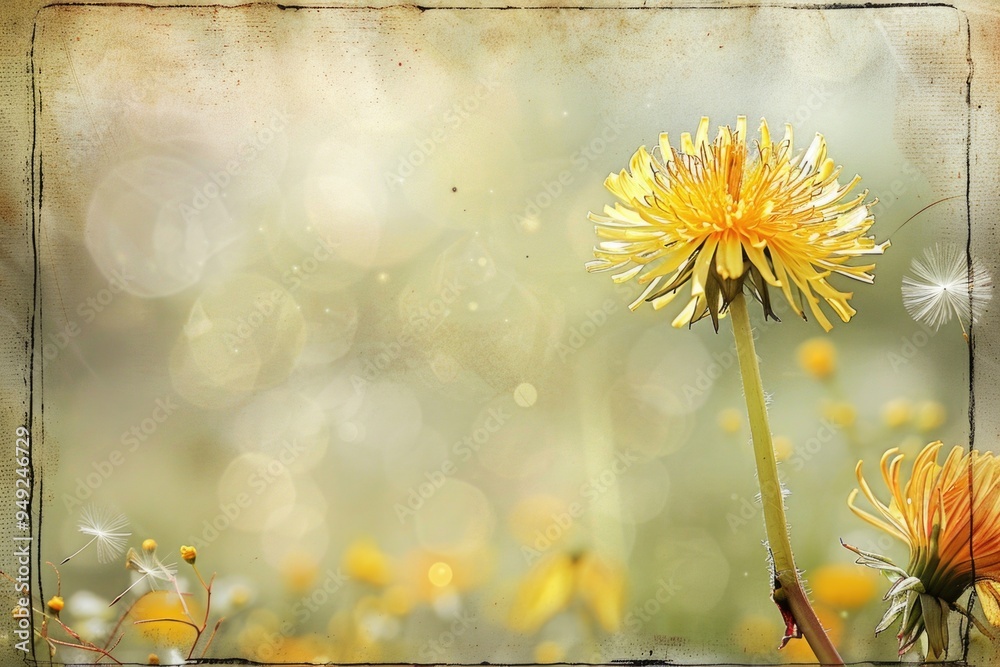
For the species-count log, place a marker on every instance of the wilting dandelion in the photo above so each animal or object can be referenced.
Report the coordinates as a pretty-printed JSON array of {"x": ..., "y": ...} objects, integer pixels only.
[
  {"x": 934, "y": 514},
  {"x": 105, "y": 527},
  {"x": 943, "y": 286}
]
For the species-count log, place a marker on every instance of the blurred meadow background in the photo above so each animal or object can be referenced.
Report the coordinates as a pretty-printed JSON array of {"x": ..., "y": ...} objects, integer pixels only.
[{"x": 314, "y": 302}]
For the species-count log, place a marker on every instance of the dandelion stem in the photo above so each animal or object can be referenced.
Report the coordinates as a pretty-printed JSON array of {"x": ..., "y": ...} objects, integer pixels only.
[{"x": 789, "y": 592}]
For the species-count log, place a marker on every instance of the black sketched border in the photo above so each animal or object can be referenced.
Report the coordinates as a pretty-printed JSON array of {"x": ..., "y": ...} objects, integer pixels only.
[{"x": 34, "y": 325}]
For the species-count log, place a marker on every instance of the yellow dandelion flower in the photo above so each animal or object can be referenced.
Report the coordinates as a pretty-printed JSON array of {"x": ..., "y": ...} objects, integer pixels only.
[
  {"x": 933, "y": 513},
  {"x": 602, "y": 589},
  {"x": 719, "y": 215},
  {"x": 554, "y": 583},
  {"x": 545, "y": 591},
  {"x": 364, "y": 561},
  {"x": 818, "y": 357}
]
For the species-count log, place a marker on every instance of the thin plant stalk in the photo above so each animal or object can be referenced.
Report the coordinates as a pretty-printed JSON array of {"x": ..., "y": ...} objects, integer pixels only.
[
  {"x": 77, "y": 552},
  {"x": 788, "y": 590}
]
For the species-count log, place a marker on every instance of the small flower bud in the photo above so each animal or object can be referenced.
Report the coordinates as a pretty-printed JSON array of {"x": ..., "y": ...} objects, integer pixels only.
[
  {"x": 153, "y": 659},
  {"x": 149, "y": 546},
  {"x": 189, "y": 554},
  {"x": 55, "y": 604}
]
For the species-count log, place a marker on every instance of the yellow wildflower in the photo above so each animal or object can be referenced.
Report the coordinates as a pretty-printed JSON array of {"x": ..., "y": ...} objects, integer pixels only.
[{"x": 719, "y": 214}]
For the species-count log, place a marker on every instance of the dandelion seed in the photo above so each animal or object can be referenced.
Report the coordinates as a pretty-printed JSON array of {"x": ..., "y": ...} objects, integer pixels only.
[
  {"x": 107, "y": 528},
  {"x": 146, "y": 564},
  {"x": 943, "y": 287},
  {"x": 149, "y": 568}
]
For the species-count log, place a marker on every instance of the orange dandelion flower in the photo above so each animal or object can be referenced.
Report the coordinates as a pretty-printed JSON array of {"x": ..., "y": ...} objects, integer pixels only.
[
  {"x": 720, "y": 215},
  {"x": 934, "y": 514}
]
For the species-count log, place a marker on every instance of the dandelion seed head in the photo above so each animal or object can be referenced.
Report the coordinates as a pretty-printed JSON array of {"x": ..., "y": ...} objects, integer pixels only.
[
  {"x": 146, "y": 564},
  {"x": 108, "y": 527},
  {"x": 943, "y": 286}
]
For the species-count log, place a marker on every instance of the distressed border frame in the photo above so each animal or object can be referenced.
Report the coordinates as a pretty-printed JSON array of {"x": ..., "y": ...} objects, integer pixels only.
[{"x": 34, "y": 418}]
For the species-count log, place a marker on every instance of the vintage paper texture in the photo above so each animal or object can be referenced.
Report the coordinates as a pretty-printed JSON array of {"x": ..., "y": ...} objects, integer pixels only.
[{"x": 396, "y": 140}]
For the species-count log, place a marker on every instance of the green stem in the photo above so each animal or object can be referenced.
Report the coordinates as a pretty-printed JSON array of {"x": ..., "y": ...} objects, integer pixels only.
[{"x": 787, "y": 582}]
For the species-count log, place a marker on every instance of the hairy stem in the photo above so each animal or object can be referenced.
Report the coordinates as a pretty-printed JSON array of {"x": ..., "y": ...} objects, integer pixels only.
[{"x": 788, "y": 588}]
